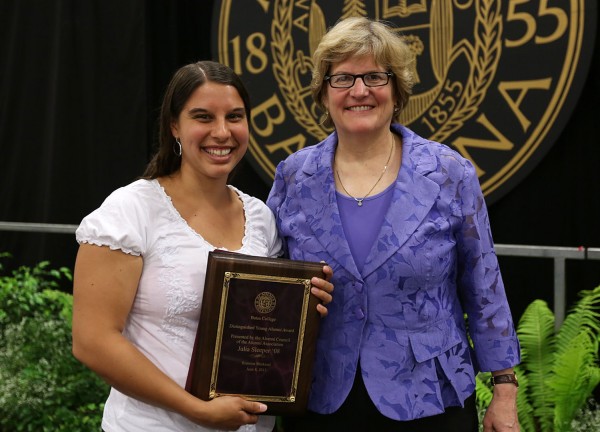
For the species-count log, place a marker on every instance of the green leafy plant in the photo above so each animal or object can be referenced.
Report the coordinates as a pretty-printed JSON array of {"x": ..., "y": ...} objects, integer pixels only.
[
  {"x": 559, "y": 370},
  {"x": 42, "y": 386}
]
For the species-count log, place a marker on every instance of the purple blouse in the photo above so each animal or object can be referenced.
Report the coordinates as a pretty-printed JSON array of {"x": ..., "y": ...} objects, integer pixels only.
[{"x": 362, "y": 224}]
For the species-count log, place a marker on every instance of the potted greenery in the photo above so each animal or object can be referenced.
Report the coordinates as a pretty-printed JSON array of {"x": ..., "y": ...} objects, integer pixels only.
[
  {"x": 42, "y": 386},
  {"x": 559, "y": 369}
]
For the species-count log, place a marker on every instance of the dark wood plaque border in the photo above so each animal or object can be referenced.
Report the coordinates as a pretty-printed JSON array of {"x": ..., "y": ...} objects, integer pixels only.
[{"x": 224, "y": 266}]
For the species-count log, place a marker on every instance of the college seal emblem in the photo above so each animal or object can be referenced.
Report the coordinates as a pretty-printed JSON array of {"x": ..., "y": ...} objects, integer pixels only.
[
  {"x": 496, "y": 80},
  {"x": 265, "y": 302}
]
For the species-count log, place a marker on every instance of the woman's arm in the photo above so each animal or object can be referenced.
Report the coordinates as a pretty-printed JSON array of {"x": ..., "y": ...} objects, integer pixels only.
[
  {"x": 104, "y": 288},
  {"x": 484, "y": 299},
  {"x": 501, "y": 414}
]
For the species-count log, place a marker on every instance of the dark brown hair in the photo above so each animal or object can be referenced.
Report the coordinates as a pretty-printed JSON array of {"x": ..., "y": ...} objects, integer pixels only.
[{"x": 184, "y": 82}]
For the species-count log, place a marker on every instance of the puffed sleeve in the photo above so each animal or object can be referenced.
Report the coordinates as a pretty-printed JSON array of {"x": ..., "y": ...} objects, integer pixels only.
[
  {"x": 480, "y": 282},
  {"x": 119, "y": 223}
]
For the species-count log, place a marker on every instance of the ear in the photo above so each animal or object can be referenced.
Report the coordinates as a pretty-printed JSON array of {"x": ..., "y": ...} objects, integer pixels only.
[
  {"x": 174, "y": 129},
  {"x": 325, "y": 101}
]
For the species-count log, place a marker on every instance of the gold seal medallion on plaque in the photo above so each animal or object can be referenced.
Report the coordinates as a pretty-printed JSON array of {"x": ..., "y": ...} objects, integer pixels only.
[
  {"x": 496, "y": 80},
  {"x": 265, "y": 302}
]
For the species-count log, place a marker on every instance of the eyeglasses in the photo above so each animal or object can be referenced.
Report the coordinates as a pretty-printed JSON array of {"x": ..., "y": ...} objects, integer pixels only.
[{"x": 370, "y": 79}]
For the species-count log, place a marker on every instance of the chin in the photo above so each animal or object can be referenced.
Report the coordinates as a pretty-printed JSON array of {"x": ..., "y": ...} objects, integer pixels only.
[{"x": 359, "y": 128}]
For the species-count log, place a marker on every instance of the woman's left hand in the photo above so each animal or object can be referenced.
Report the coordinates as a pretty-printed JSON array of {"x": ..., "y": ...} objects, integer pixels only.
[
  {"x": 322, "y": 289},
  {"x": 501, "y": 415}
]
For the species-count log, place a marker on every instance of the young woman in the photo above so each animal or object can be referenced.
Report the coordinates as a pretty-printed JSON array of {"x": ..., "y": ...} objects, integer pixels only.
[{"x": 140, "y": 268}]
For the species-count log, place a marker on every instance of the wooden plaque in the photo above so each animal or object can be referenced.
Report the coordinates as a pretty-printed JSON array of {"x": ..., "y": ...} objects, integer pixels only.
[{"x": 257, "y": 332}]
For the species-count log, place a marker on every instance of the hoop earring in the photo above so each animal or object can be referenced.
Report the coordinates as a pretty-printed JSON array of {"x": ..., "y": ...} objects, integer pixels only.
[{"x": 177, "y": 149}]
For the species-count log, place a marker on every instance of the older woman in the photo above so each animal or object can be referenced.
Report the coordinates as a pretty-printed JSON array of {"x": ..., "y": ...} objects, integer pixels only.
[{"x": 403, "y": 223}]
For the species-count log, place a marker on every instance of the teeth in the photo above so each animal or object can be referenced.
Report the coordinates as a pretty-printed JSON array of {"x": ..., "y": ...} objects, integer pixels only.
[
  {"x": 218, "y": 152},
  {"x": 360, "y": 108}
]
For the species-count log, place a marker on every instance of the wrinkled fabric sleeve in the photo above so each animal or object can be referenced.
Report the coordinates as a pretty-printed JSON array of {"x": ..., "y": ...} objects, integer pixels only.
[
  {"x": 480, "y": 282},
  {"x": 118, "y": 223}
]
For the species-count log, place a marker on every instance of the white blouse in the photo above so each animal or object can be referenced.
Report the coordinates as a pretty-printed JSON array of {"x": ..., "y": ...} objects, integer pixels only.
[{"x": 140, "y": 219}]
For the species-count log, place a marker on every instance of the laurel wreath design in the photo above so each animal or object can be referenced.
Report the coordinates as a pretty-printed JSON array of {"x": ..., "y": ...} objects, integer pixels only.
[
  {"x": 285, "y": 66},
  {"x": 354, "y": 8},
  {"x": 484, "y": 57}
]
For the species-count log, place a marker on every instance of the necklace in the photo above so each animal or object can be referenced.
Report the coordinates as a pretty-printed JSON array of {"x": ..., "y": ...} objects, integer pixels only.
[{"x": 359, "y": 201}]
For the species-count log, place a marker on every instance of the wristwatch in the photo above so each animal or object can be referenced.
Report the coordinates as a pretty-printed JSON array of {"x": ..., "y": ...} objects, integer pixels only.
[{"x": 505, "y": 379}]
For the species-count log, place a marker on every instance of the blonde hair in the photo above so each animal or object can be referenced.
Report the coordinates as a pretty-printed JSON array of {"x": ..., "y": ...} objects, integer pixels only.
[{"x": 359, "y": 36}]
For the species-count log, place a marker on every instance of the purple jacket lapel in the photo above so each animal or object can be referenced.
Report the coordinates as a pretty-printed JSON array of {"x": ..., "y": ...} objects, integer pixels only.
[
  {"x": 414, "y": 196},
  {"x": 324, "y": 217}
]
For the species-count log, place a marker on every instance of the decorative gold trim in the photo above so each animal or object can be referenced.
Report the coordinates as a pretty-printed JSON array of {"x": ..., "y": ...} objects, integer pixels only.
[
  {"x": 484, "y": 57},
  {"x": 228, "y": 276}
]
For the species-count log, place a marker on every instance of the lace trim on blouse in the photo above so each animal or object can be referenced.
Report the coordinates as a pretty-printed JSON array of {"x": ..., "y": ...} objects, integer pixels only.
[{"x": 250, "y": 224}]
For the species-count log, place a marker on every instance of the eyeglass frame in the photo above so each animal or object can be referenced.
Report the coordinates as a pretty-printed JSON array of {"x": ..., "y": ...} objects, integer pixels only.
[{"x": 361, "y": 76}]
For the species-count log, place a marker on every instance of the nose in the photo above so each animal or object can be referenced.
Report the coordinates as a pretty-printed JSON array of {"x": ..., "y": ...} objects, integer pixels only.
[
  {"x": 221, "y": 129},
  {"x": 359, "y": 88}
]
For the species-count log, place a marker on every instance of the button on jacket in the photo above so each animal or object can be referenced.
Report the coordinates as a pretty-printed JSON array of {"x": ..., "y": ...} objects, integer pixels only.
[{"x": 403, "y": 315}]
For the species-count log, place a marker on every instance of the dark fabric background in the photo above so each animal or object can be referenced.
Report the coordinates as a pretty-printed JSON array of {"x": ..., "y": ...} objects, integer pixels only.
[{"x": 80, "y": 88}]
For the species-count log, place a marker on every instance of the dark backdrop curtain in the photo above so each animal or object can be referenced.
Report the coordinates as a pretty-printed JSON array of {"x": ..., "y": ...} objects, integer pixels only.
[
  {"x": 73, "y": 114},
  {"x": 80, "y": 89},
  {"x": 558, "y": 204}
]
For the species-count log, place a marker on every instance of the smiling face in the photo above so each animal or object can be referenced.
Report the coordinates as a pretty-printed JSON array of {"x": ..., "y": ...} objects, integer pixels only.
[
  {"x": 359, "y": 109},
  {"x": 213, "y": 131}
]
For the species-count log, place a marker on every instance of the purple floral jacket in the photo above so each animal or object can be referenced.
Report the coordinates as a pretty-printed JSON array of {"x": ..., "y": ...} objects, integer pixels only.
[{"x": 403, "y": 316}]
